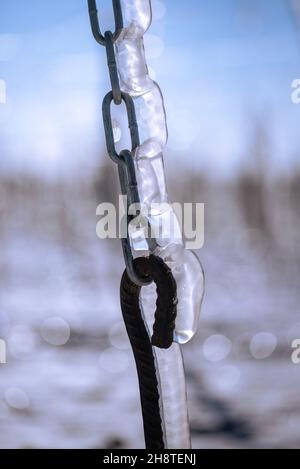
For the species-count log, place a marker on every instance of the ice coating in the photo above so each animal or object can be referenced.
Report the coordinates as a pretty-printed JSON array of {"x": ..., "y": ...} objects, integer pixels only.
[
  {"x": 133, "y": 71},
  {"x": 130, "y": 53},
  {"x": 190, "y": 289},
  {"x": 137, "y": 17},
  {"x": 151, "y": 116},
  {"x": 169, "y": 364},
  {"x": 152, "y": 123}
]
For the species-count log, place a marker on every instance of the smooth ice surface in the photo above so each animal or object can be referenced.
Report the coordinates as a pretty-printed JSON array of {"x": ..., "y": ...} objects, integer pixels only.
[
  {"x": 149, "y": 165},
  {"x": 132, "y": 66},
  {"x": 151, "y": 176},
  {"x": 169, "y": 365},
  {"x": 151, "y": 117},
  {"x": 137, "y": 17},
  {"x": 190, "y": 290},
  {"x": 188, "y": 273}
]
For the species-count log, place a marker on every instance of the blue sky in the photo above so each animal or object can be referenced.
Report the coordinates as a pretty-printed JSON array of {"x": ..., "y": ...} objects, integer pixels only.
[{"x": 223, "y": 65}]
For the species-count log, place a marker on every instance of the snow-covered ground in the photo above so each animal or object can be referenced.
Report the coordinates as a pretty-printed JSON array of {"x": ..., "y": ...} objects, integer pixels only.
[{"x": 70, "y": 379}]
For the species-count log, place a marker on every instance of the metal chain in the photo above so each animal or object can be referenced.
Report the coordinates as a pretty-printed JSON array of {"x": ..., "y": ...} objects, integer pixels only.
[
  {"x": 124, "y": 160},
  {"x": 141, "y": 174}
]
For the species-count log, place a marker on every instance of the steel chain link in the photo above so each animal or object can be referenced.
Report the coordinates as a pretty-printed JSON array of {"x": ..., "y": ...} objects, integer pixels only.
[{"x": 124, "y": 160}]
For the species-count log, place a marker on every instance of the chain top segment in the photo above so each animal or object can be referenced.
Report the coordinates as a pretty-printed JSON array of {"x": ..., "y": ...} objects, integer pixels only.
[{"x": 93, "y": 12}]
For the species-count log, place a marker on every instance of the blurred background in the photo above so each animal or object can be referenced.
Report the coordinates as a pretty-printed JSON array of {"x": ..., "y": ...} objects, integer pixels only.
[{"x": 226, "y": 69}]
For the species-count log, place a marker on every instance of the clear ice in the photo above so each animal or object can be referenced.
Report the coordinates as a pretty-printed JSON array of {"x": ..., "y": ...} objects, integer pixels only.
[{"x": 149, "y": 163}]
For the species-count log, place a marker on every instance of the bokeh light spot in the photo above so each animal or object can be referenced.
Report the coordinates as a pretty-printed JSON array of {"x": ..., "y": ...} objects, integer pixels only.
[
  {"x": 216, "y": 348},
  {"x": 226, "y": 379},
  {"x": 16, "y": 398},
  {"x": 263, "y": 345},
  {"x": 118, "y": 337},
  {"x": 55, "y": 331},
  {"x": 159, "y": 10}
]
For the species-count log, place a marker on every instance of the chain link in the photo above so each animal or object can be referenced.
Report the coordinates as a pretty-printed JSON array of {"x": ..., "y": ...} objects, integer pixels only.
[
  {"x": 108, "y": 126},
  {"x": 93, "y": 12},
  {"x": 112, "y": 67}
]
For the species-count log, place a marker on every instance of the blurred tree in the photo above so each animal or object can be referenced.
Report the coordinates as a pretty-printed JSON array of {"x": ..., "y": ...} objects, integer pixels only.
[{"x": 252, "y": 183}]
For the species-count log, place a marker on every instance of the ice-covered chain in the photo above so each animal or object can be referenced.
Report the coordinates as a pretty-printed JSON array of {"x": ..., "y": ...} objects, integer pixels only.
[
  {"x": 143, "y": 181},
  {"x": 134, "y": 80}
]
